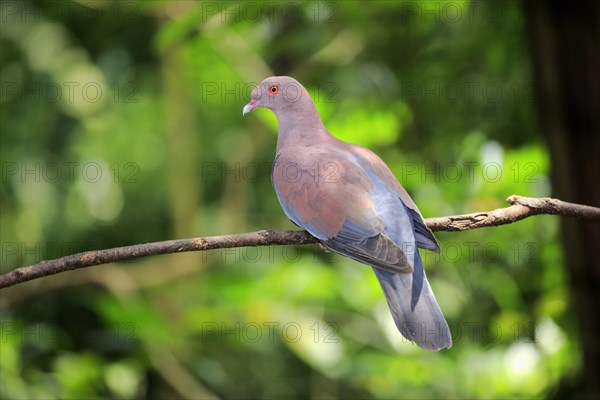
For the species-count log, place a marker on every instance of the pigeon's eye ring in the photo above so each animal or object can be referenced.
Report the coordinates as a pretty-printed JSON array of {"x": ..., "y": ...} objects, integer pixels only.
[{"x": 273, "y": 89}]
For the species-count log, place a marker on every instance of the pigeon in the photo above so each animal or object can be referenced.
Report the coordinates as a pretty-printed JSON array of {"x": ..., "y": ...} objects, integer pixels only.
[{"x": 346, "y": 196}]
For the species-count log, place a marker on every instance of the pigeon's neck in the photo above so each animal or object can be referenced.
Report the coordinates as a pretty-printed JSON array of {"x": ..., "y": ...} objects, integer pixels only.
[{"x": 301, "y": 128}]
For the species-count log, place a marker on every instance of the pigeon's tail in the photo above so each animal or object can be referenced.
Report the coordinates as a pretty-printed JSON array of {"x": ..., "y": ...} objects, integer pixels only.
[{"x": 418, "y": 318}]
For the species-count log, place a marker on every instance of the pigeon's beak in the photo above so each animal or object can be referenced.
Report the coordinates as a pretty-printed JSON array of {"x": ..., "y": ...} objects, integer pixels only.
[{"x": 250, "y": 106}]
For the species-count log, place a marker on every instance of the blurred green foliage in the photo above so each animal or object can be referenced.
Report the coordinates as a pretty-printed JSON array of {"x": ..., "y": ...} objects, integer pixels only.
[{"x": 121, "y": 124}]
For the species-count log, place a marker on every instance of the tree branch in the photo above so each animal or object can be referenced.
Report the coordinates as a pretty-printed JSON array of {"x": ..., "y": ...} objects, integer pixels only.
[{"x": 520, "y": 208}]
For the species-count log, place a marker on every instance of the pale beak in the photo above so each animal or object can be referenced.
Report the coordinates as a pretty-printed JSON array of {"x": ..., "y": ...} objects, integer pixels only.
[{"x": 250, "y": 106}]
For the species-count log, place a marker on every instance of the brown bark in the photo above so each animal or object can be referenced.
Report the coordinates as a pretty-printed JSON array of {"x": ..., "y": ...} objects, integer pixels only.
[{"x": 565, "y": 43}]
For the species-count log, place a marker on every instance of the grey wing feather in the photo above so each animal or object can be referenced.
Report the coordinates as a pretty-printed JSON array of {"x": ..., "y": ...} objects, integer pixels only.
[{"x": 423, "y": 235}]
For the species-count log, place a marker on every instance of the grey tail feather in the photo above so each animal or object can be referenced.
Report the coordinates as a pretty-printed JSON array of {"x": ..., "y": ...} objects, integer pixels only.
[{"x": 423, "y": 322}]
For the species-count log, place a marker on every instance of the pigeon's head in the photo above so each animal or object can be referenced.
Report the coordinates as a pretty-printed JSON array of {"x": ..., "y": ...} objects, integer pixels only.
[{"x": 278, "y": 93}]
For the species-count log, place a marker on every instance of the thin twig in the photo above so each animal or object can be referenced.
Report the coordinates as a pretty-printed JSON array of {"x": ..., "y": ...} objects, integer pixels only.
[{"x": 520, "y": 208}]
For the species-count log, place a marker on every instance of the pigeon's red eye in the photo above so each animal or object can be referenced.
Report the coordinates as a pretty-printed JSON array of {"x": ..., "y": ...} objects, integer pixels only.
[{"x": 274, "y": 89}]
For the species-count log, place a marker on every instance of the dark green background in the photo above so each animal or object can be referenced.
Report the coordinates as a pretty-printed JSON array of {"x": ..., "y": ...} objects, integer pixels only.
[{"x": 121, "y": 124}]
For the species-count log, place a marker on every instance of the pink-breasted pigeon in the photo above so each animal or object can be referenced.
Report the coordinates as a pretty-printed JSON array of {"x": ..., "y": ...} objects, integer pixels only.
[{"x": 347, "y": 197}]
